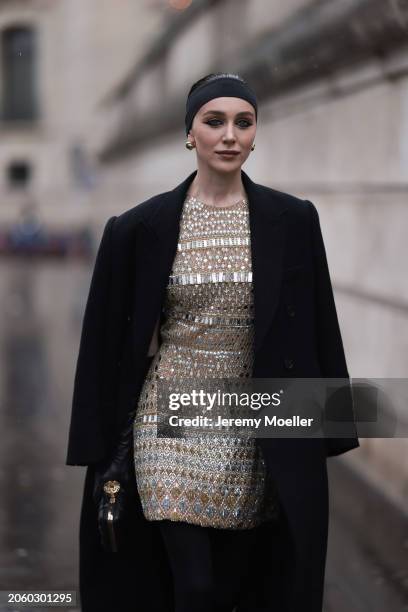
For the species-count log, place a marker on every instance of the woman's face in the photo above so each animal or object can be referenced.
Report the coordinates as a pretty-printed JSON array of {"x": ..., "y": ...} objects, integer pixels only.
[{"x": 224, "y": 124}]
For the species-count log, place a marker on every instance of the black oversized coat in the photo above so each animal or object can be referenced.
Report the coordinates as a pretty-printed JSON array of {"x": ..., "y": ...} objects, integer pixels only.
[{"x": 296, "y": 335}]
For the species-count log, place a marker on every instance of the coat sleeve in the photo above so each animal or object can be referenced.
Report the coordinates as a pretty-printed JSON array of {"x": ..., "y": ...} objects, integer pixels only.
[
  {"x": 329, "y": 341},
  {"x": 85, "y": 443}
]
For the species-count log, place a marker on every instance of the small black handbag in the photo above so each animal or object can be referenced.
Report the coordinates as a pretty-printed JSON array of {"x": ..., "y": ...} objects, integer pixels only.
[
  {"x": 115, "y": 494},
  {"x": 115, "y": 488},
  {"x": 112, "y": 516}
]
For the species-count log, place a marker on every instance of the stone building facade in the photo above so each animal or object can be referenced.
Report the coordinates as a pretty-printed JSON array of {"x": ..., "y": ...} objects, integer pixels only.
[{"x": 57, "y": 61}]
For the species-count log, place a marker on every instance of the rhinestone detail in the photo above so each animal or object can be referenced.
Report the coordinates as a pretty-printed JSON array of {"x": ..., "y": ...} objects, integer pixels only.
[
  {"x": 211, "y": 277},
  {"x": 216, "y": 480}
]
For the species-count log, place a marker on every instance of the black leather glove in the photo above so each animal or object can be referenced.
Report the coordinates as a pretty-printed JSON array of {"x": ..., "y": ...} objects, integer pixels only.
[{"x": 119, "y": 466}]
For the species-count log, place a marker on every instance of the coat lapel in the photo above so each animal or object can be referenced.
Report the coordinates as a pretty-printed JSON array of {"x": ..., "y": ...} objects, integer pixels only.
[{"x": 267, "y": 248}]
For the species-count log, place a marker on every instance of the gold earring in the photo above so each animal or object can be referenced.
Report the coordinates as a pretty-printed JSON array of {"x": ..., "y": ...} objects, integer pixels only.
[
  {"x": 253, "y": 147},
  {"x": 189, "y": 145}
]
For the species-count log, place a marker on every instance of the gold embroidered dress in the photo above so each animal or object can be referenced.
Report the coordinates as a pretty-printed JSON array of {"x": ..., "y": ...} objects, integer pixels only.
[{"x": 208, "y": 332}]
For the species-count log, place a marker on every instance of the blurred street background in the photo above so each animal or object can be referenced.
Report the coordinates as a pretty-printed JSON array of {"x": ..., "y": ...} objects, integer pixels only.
[{"x": 92, "y": 98}]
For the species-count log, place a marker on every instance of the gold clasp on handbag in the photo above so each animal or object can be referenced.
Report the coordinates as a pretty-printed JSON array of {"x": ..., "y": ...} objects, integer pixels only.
[{"x": 111, "y": 487}]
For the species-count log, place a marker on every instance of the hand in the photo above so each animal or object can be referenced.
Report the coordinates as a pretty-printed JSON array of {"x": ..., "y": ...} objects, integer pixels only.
[{"x": 119, "y": 466}]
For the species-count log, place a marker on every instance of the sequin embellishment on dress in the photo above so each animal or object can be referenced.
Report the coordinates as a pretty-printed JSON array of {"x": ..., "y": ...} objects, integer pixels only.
[{"x": 208, "y": 332}]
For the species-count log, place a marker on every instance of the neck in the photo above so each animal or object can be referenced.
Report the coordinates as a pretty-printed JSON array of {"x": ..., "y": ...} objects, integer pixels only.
[{"x": 217, "y": 188}]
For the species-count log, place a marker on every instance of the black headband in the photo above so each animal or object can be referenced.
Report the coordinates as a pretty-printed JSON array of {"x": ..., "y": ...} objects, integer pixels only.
[{"x": 218, "y": 87}]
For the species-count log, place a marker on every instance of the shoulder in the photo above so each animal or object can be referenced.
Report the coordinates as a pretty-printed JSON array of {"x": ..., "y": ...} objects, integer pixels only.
[
  {"x": 296, "y": 207},
  {"x": 144, "y": 209},
  {"x": 128, "y": 222}
]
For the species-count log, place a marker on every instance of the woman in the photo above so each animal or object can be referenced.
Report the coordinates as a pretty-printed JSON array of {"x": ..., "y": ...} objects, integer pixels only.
[{"x": 220, "y": 277}]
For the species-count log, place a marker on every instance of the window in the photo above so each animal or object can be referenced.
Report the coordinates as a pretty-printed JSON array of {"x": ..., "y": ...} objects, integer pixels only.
[
  {"x": 18, "y": 74},
  {"x": 18, "y": 174}
]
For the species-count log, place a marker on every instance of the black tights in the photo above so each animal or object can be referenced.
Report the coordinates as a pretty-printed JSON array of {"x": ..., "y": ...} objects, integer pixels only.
[{"x": 209, "y": 565}]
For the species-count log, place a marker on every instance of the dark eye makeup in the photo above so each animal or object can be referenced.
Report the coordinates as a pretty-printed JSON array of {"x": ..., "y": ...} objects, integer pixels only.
[{"x": 211, "y": 122}]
